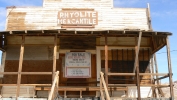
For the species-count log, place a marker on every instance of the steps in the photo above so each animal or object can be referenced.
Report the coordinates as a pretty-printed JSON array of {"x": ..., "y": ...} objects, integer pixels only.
[
  {"x": 112, "y": 98},
  {"x": 87, "y": 98}
]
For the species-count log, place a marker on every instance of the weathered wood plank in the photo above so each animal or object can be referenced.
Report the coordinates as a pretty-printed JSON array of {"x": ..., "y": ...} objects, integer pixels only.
[
  {"x": 54, "y": 56},
  {"x": 20, "y": 67},
  {"x": 114, "y": 18},
  {"x": 169, "y": 68}
]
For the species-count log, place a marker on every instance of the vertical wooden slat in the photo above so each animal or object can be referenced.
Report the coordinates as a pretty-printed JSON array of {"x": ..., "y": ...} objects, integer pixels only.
[
  {"x": 106, "y": 61},
  {"x": 20, "y": 66},
  {"x": 169, "y": 68},
  {"x": 136, "y": 65},
  {"x": 54, "y": 56}
]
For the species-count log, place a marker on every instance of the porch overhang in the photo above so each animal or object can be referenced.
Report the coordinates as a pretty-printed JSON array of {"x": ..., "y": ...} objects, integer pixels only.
[{"x": 157, "y": 37}]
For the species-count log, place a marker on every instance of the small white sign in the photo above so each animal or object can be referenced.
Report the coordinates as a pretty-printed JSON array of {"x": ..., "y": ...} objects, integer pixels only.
[
  {"x": 77, "y": 65},
  {"x": 78, "y": 72}
]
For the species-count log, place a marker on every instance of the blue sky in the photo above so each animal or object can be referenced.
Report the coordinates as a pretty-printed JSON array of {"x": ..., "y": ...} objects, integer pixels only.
[{"x": 163, "y": 15}]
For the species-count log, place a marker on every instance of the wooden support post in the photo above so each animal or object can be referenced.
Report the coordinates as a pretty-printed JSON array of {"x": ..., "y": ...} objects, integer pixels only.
[
  {"x": 152, "y": 77},
  {"x": 54, "y": 56},
  {"x": 20, "y": 66},
  {"x": 136, "y": 65},
  {"x": 149, "y": 16},
  {"x": 138, "y": 82},
  {"x": 3, "y": 63},
  {"x": 106, "y": 61},
  {"x": 156, "y": 70},
  {"x": 169, "y": 68},
  {"x": 137, "y": 47}
]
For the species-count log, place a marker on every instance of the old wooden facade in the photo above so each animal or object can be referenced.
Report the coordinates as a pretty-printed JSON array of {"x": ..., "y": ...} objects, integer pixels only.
[{"x": 120, "y": 42}]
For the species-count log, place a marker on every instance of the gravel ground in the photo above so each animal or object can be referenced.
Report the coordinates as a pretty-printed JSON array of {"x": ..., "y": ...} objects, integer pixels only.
[{"x": 167, "y": 90}]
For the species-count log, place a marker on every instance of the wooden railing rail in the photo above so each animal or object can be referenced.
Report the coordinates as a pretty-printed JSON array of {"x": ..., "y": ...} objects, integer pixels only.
[
  {"x": 54, "y": 90},
  {"x": 102, "y": 82},
  {"x": 141, "y": 74}
]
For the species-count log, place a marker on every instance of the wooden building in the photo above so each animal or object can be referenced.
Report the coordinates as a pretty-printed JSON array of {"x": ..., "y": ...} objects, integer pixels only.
[{"x": 61, "y": 48}]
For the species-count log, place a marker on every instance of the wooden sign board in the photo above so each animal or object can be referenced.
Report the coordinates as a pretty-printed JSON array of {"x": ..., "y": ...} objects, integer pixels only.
[
  {"x": 77, "y": 17},
  {"x": 78, "y": 65}
]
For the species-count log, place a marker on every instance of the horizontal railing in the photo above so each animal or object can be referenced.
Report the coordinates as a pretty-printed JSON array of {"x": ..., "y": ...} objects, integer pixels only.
[
  {"x": 141, "y": 74},
  {"x": 26, "y": 73}
]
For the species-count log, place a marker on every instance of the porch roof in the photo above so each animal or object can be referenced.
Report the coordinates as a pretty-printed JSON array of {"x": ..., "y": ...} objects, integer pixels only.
[{"x": 85, "y": 32}]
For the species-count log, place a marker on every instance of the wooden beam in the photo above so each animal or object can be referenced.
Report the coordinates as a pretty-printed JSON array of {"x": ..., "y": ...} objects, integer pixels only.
[
  {"x": 156, "y": 70},
  {"x": 149, "y": 16},
  {"x": 169, "y": 69},
  {"x": 152, "y": 77},
  {"x": 53, "y": 86},
  {"x": 26, "y": 73},
  {"x": 138, "y": 82},
  {"x": 137, "y": 51},
  {"x": 106, "y": 60},
  {"x": 3, "y": 63},
  {"x": 101, "y": 89},
  {"x": 121, "y": 74},
  {"x": 36, "y": 73},
  {"x": 161, "y": 77},
  {"x": 141, "y": 74},
  {"x": 54, "y": 56},
  {"x": 109, "y": 74},
  {"x": 20, "y": 66},
  {"x": 112, "y": 85},
  {"x": 143, "y": 85},
  {"x": 105, "y": 86},
  {"x": 154, "y": 74},
  {"x": 136, "y": 65},
  {"x": 25, "y": 84}
]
